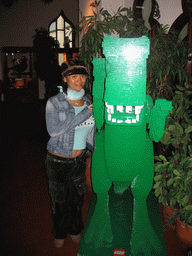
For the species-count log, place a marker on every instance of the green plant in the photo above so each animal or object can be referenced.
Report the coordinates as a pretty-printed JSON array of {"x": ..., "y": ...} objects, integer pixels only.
[
  {"x": 173, "y": 182},
  {"x": 167, "y": 60},
  {"x": 166, "y": 64},
  {"x": 102, "y": 23},
  {"x": 184, "y": 214},
  {"x": 173, "y": 173},
  {"x": 46, "y": 64}
]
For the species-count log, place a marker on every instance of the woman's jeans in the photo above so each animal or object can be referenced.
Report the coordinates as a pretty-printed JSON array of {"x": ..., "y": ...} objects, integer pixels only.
[{"x": 66, "y": 188}]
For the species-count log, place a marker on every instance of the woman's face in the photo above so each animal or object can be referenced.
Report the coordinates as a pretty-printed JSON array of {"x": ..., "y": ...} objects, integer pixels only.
[{"x": 75, "y": 82}]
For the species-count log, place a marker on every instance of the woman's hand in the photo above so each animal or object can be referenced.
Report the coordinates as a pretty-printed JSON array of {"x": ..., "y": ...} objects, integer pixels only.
[{"x": 90, "y": 107}]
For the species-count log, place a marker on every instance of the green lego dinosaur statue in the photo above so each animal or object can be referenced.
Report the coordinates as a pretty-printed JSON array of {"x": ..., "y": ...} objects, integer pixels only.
[{"x": 127, "y": 123}]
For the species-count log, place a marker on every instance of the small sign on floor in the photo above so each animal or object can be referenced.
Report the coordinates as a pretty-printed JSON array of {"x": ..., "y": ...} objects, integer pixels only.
[{"x": 117, "y": 252}]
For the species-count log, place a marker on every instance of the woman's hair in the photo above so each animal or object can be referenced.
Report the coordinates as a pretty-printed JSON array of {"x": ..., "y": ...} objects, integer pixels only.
[{"x": 73, "y": 66}]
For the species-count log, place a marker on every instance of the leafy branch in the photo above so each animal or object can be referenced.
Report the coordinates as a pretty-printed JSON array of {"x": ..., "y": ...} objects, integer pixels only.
[{"x": 166, "y": 63}]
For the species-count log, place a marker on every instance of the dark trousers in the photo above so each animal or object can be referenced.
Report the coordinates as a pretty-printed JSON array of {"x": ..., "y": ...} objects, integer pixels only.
[{"x": 66, "y": 188}]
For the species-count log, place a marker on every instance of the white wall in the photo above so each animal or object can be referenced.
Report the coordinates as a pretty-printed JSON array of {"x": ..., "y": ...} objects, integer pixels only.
[
  {"x": 170, "y": 10},
  {"x": 113, "y": 5},
  {"x": 84, "y": 8}
]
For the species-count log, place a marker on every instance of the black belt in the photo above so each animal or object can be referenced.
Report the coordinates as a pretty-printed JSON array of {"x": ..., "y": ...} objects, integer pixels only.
[{"x": 63, "y": 160}]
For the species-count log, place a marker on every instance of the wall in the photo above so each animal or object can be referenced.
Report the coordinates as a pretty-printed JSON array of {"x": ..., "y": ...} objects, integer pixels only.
[{"x": 170, "y": 10}]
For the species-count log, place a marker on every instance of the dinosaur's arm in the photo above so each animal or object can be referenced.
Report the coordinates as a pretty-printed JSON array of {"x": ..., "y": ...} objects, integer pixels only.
[
  {"x": 149, "y": 107},
  {"x": 98, "y": 91},
  {"x": 157, "y": 118}
]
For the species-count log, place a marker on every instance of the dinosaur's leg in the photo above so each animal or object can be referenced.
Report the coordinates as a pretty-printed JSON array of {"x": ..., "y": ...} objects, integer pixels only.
[
  {"x": 143, "y": 236},
  {"x": 141, "y": 223},
  {"x": 121, "y": 214},
  {"x": 99, "y": 230},
  {"x": 120, "y": 187}
]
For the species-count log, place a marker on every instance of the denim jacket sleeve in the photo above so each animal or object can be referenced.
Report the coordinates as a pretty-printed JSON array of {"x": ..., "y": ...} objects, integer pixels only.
[
  {"x": 61, "y": 120},
  {"x": 90, "y": 141}
]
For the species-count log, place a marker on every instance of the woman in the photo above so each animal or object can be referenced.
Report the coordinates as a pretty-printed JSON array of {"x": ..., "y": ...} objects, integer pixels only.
[{"x": 70, "y": 124}]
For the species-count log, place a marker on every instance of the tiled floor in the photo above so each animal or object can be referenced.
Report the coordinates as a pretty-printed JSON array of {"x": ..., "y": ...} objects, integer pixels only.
[{"x": 25, "y": 205}]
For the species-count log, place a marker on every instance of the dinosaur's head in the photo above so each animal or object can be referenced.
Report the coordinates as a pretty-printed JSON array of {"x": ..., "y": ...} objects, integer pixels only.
[{"x": 125, "y": 85}]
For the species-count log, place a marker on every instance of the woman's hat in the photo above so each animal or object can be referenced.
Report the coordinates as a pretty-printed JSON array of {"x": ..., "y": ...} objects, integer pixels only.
[{"x": 70, "y": 70}]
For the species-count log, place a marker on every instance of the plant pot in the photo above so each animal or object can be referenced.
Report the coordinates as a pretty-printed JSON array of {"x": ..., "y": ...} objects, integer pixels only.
[
  {"x": 166, "y": 212},
  {"x": 19, "y": 82},
  {"x": 184, "y": 234}
]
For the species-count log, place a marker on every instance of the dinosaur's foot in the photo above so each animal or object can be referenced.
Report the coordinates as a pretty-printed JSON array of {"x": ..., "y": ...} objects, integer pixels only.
[
  {"x": 156, "y": 244},
  {"x": 145, "y": 240},
  {"x": 99, "y": 233}
]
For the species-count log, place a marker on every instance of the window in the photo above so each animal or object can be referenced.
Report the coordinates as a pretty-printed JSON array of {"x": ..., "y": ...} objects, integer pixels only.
[{"x": 62, "y": 30}]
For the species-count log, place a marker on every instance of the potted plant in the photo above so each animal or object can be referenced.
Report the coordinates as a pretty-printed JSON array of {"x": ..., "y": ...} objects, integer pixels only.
[
  {"x": 173, "y": 171},
  {"x": 46, "y": 64},
  {"x": 183, "y": 221}
]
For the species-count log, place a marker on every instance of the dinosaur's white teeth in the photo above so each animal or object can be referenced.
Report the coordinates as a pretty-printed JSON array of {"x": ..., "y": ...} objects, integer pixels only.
[
  {"x": 128, "y": 109},
  {"x": 133, "y": 121},
  {"x": 138, "y": 109},
  {"x": 128, "y": 121},
  {"x": 110, "y": 108},
  {"x": 119, "y": 108}
]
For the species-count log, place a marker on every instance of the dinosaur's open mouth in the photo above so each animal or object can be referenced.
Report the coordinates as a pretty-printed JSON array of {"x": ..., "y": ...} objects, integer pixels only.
[{"x": 123, "y": 114}]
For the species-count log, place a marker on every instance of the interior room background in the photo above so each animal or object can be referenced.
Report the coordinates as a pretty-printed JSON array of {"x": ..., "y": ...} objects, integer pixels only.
[{"x": 18, "y": 23}]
